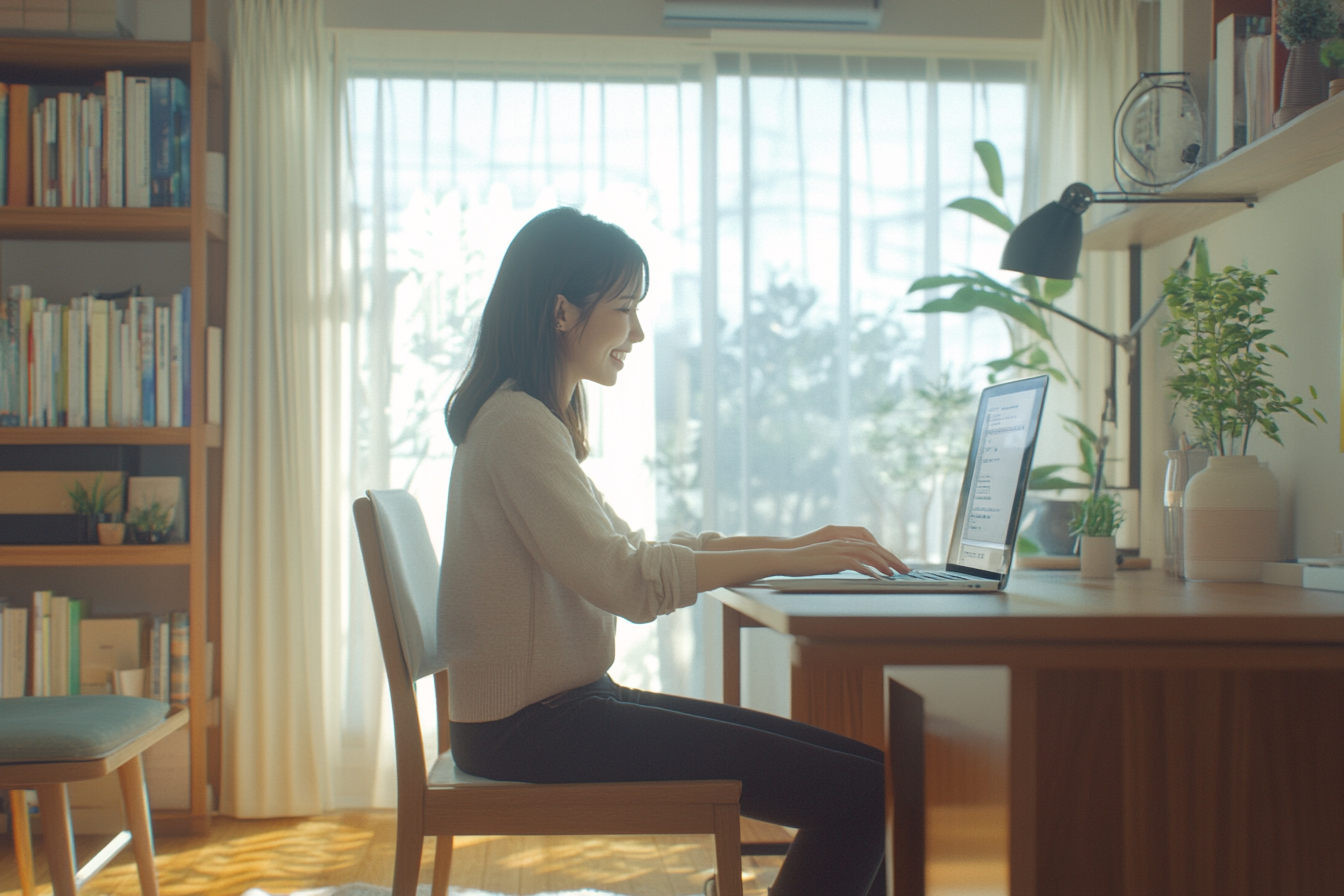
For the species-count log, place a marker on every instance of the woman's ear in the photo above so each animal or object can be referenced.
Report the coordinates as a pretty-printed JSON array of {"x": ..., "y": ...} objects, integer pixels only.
[{"x": 566, "y": 314}]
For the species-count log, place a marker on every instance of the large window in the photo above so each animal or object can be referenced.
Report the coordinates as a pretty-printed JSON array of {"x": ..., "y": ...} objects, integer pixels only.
[{"x": 786, "y": 203}]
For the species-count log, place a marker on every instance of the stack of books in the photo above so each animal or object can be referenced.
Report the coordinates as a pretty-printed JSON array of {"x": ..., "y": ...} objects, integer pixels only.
[
  {"x": 95, "y": 362},
  {"x": 125, "y": 141},
  {"x": 49, "y": 649}
]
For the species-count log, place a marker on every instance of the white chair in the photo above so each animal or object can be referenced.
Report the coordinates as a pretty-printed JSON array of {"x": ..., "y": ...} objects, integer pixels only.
[{"x": 403, "y": 574}]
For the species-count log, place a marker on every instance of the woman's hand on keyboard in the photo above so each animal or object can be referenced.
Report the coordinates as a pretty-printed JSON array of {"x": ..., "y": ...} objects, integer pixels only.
[
  {"x": 847, "y": 533},
  {"x": 848, "y": 547}
]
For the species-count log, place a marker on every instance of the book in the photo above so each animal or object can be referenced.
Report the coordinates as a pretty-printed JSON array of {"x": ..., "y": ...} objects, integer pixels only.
[
  {"x": 181, "y": 110},
  {"x": 185, "y": 331},
  {"x": 145, "y": 313},
  {"x": 162, "y": 383},
  {"x": 115, "y": 406},
  {"x": 58, "y": 657},
  {"x": 154, "y": 688},
  {"x": 162, "y": 161},
  {"x": 179, "y": 689},
  {"x": 114, "y": 139},
  {"x": 39, "y": 683},
  {"x": 214, "y": 375},
  {"x": 97, "y": 364},
  {"x": 1259, "y": 67},
  {"x": 19, "y": 177},
  {"x": 67, "y": 148},
  {"x": 109, "y": 645},
  {"x": 78, "y": 607},
  {"x": 13, "y": 672},
  {"x": 175, "y": 366},
  {"x": 137, "y": 142}
]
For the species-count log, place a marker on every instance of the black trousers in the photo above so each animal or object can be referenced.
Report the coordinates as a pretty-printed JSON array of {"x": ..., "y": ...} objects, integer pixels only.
[{"x": 827, "y": 786}]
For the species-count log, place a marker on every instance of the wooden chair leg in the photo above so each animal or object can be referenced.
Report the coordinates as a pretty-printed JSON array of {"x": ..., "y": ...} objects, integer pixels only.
[
  {"x": 23, "y": 840},
  {"x": 410, "y": 849},
  {"x": 136, "y": 801},
  {"x": 728, "y": 850},
  {"x": 52, "y": 801},
  {"x": 443, "y": 864}
]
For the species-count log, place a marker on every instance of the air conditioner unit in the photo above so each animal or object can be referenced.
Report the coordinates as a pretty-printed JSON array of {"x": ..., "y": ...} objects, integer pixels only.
[{"x": 799, "y": 15}]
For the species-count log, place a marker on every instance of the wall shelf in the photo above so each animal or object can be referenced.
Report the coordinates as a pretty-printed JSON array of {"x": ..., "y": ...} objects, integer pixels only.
[
  {"x": 95, "y": 555},
  {"x": 109, "y": 435},
  {"x": 1309, "y": 143},
  {"x": 121, "y": 224}
]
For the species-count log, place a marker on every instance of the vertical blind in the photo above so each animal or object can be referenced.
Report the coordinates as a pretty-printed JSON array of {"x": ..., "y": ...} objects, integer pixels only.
[{"x": 786, "y": 202}]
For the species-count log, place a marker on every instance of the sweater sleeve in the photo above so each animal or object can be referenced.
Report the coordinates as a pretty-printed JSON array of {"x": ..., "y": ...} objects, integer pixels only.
[
  {"x": 566, "y": 527},
  {"x": 685, "y": 539}
]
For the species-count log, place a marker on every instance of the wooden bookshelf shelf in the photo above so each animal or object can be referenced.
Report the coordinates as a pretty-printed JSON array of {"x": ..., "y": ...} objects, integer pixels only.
[
  {"x": 95, "y": 555},
  {"x": 1309, "y": 143},
  {"x": 126, "y": 224},
  {"x": 71, "y": 60},
  {"x": 97, "y": 435}
]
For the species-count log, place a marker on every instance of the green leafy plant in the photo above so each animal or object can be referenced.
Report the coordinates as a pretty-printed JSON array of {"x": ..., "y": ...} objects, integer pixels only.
[
  {"x": 1332, "y": 53},
  {"x": 1219, "y": 329},
  {"x": 1097, "y": 515},
  {"x": 1033, "y": 346},
  {"x": 1301, "y": 21},
  {"x": 93, "y": 501},
  {"x": 153, "y": 520},
  {"x": 1046, "y": 477}
]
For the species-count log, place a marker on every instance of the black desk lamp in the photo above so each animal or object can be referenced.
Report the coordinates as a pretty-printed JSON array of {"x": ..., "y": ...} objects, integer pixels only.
[{"x": 1047, "y": 244}]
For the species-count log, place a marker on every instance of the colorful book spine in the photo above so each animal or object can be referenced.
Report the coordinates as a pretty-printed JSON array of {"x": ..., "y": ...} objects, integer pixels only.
[
  {"x": 147, "y": 393},
  {"x": 97, "y": 355},
  {"x": 186, "y": 356},
  {"x": 179, "y": 664},
  {"x": 4, "y": 140},
  {"x": 175, "y": 361},
  {"x": 19, "y": 176},
  {"x": 161, "y": 150},
  {"x": 114, "y": 138},
  {"x": 162, "y": 359},
  {"x": 181, "y": 104}
]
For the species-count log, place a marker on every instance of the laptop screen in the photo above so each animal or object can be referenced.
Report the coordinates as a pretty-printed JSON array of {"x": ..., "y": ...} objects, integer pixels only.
[{"x": 997, "y": 470}]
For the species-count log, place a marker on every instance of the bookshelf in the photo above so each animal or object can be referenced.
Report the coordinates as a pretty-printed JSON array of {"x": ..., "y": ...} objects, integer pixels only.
[{"x": 202, "y": 234}]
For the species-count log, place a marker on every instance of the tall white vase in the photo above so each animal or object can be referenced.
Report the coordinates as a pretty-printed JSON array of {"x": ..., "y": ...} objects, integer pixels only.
[{"x": 1231, "y": 511}]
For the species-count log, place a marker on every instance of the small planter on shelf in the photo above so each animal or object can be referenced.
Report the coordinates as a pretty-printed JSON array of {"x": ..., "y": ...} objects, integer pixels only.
[
  {"x": 95, "y": 504},
  {"x": 1096, "y": 520},
  {"x": 152, "y": 524},
  {"x": 110, "y": 533}
]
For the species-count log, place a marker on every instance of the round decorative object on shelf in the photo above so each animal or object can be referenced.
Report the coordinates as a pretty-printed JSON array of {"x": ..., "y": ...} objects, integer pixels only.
[
  {"x": 1304, "y": 83},
  {"x": 1158, "y": 137},
  {"x": 1231, "y": 520}
]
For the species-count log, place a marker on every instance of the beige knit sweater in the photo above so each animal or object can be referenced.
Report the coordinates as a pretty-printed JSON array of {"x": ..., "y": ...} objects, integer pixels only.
[{"x": 537, "y": 566}]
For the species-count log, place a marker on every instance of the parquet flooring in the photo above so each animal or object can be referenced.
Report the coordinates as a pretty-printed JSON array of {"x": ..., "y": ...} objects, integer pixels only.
[{"x": 967, "y": 848}]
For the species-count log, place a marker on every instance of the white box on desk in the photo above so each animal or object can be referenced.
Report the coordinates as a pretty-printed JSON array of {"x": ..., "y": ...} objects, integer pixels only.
[{"x": 1327, "y": 578}]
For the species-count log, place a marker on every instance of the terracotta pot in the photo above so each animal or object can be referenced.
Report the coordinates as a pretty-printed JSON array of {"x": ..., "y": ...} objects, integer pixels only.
[
  {"x": 111, "y": 533},
  {"x": 1336, "y": 86},
  {"x": 1303, "y": 82},
  {"x": 1096, "y": 557},
  {"x": 1231, "y": 520}
]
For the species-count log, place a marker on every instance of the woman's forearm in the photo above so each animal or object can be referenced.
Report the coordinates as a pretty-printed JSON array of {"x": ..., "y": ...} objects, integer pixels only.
[
  {"x": 749, "y": 543},
  {"x": 719, "y": 568}
]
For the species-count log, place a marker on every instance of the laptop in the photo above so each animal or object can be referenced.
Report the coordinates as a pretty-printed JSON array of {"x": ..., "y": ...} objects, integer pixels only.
[{"x": 992, "y": 491}]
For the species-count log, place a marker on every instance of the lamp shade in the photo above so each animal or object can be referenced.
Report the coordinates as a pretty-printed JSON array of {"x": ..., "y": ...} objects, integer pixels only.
[{"x": 1048, "y": 243}]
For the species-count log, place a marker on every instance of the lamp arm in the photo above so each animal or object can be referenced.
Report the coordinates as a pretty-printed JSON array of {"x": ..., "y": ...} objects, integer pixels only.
[{"x": 1109, "y": 337}]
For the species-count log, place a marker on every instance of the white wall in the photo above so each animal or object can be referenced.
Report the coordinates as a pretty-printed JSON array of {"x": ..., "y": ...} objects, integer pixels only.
[
  {"x": 933, "y": 18},
  {"x": 1299, "y": 232}
]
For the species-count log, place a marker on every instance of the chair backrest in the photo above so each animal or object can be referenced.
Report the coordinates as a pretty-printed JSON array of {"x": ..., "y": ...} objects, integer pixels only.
[
  {"x": 402, "y": 571},
  {"x": 412, "y": 572}
]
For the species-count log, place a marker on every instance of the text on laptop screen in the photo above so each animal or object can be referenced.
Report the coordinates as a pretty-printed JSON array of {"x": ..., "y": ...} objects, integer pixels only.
[{"x": 995, "y": 478}]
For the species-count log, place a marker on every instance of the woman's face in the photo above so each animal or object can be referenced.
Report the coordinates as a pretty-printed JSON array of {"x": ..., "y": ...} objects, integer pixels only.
[{"x": 595, "y": 350}]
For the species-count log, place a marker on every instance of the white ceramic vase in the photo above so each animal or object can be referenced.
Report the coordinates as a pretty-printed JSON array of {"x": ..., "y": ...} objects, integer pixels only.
[
  {"x": 1096, "y": 557},
  {"x": 1231, "y": 520}
]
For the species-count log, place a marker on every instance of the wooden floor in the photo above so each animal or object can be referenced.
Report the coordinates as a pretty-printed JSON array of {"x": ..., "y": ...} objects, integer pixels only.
[{"x": 967, "y": 849}]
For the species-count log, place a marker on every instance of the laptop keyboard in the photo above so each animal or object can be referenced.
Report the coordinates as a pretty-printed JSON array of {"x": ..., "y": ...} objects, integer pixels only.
[{"x": 929, "y": 575}]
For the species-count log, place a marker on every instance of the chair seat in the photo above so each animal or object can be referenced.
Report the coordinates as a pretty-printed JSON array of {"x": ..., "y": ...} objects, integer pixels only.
[
  {"x": 71, "y": 729},
  {"x": 446, "y": 775}
]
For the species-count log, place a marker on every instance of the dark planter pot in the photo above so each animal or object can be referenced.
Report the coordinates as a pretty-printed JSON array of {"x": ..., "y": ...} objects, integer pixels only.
[
  {"x": 91, "y": 526},
  {"x": 1304, "y": 82},
  {"x": 144, "y": 536}
]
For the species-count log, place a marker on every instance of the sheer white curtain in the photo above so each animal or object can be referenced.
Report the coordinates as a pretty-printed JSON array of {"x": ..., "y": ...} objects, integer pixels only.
[{"x": 285, "y": 511}]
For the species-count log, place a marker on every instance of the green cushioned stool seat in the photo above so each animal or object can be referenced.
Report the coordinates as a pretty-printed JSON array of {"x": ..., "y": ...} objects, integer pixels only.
[{"x": 69, "y": 729}]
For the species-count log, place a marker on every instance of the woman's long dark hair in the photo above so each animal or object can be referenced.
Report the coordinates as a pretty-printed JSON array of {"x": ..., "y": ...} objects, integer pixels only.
[{"x": 560, "y": 252}]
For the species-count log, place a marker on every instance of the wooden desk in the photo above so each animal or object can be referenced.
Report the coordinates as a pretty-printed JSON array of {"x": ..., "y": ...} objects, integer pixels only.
[{"x": 1165, "y": 737}]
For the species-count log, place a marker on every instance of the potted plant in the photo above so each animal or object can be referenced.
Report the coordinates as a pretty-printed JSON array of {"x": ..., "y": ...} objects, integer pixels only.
[
  {"x": 151, "y": 523},
  {"x": 1303, "y": 25},
  {"x": 1046, "y": 517},
  {"x": 94, "y": 504},
  {"x": 1095, "y": 521},
  {"x": 1219, "y": 331}
]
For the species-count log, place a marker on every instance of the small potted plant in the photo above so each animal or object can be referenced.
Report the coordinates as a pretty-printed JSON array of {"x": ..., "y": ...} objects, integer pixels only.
[
  {"x": 1095, "y": 521},
  {"x": 1303, "y": 25},
  {"x": 95, "y": 504},
  {"x": 152, "y": 523},
  {"x": 1219, "y": 330}
]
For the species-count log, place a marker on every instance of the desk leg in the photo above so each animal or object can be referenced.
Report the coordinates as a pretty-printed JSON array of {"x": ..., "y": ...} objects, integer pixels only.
[
  {"x": 732, "y": 656},
  {"x": 906, "y": 853}
]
